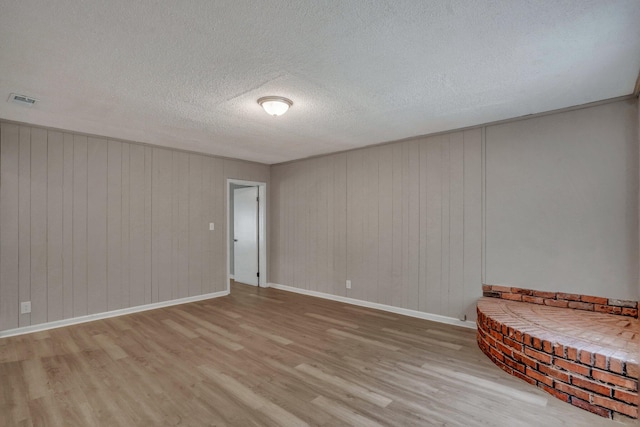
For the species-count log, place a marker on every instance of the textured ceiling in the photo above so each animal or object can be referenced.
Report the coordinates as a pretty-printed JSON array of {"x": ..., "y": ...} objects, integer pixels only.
[{"x": 187, "y": 74}]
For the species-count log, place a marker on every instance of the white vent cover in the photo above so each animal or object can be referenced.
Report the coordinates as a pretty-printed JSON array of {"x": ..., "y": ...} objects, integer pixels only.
[{"x": 22, "y": 99}]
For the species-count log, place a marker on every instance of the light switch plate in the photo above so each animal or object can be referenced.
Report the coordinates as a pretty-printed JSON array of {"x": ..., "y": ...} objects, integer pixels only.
[{"x": 211, "y": 226}]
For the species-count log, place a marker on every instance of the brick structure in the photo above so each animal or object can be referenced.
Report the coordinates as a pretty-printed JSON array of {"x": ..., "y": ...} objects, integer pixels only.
[
  {"x": 586, "y": 358},
  {"x": 563, "y": 300}
]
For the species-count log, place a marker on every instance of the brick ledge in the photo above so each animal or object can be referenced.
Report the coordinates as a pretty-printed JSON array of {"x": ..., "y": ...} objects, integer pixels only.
[
  {"x": 532, "y": 343},
  {"x": 563, "y": 300}
]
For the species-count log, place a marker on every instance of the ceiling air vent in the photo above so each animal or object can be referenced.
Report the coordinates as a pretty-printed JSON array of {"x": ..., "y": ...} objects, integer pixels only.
[{"x": 22, "y": 99}]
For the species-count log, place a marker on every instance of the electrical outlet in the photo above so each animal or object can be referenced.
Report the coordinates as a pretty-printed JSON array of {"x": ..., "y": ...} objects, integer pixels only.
[
  {"x": 348, "y": 284},
  {"x": 25, "y": 307},
  {"x": 211, "y": 226}
]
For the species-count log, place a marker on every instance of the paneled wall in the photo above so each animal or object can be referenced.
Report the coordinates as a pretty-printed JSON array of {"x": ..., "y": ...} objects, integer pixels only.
[
  {"x": 89, "y": 225},
  {"x": 562, "y": 202},
  {"x": 404, "y": 221},
  {"x": 401, "y": 221}
]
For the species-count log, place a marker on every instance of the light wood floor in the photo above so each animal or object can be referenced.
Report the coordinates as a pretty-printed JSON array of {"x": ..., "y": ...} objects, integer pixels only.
[{"x": 263, "y": 357}]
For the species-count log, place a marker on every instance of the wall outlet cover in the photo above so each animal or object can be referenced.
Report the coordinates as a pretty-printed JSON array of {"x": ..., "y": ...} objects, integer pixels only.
[
  {"x": 348, "y": 284},
  {"x": 25, "y": 307}
]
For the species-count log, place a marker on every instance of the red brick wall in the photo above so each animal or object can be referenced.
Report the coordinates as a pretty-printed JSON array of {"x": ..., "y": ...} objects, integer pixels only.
[
  {"x": 596, "y": 382},
  {"x": 564, "y": 300}
]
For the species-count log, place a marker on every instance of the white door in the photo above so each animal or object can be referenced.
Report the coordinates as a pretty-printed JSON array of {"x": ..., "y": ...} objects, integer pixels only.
[{"x": 245, "y": 228}]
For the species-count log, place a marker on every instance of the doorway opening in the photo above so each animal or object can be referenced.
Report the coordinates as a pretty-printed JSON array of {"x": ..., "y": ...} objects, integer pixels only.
[{"x": 246, "y": 232}]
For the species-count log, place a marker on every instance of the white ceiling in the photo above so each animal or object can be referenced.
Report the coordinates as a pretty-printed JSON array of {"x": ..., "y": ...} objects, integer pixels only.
[{"x": 187, "y": 74}]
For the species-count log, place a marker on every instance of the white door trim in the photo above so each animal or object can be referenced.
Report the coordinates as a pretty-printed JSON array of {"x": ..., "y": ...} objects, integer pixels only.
[{"x": 262, "y": 224}]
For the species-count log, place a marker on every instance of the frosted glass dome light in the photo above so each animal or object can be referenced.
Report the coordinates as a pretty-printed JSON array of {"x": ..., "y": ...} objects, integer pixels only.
[{"x": 275, "y": 105}]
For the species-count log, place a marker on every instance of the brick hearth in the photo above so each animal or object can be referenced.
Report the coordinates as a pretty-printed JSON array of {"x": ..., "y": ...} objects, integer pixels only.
[{"x": 586, "y": 358}]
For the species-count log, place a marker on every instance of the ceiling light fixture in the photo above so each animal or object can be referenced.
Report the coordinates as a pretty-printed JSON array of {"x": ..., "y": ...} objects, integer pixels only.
[{"x": 275, "y": 105}]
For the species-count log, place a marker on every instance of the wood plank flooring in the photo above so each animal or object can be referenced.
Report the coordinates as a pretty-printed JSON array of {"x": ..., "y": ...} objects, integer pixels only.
[{"x": 264, "y": 357}]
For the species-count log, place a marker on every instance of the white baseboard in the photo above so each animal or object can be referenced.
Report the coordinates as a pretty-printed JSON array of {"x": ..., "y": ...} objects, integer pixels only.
[
  {"x": 107, "y": 314},
  {"x": 384, "y": 307}
]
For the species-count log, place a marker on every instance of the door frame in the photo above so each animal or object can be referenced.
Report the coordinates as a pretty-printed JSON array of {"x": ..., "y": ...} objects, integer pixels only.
[{"x": 262, "y": 228}]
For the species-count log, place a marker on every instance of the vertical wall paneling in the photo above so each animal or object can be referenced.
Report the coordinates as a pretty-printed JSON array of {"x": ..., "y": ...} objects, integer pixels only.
[
  {"x": 484, "y": 204},
  {"x": 294, "y": 234},
  {"x": 404, "y": 169},
  {"x": 231, "y": 169},
  {"x": 472, "y": 207},
  {"x": 325, "y": 218},
  {"x": 205, "y": 219},
  {"x": 275, "y": 246},
  {"x": 181, "y": 166},
  {"x": 136, "y": 225},
  {"x": 9, "y": 225},
  {"x": 395, "y": 223},
  {"x": 38, "y": 193},
  {"x": 433, "y": 224},
  {"x": 306, "y": 250},
  {"x": 219, "y": 236},
  {"x": 89, "y": 225},
  {"x": 114, "y": 226},
  {"x": 125, "y": 260},
  {"x": 207, "y": 208},
  {"x": 161, "y": 225},
  {"x": 428, "y": 231},
  {"x": 370, "y": 241},
  {"x": 79, "y": 225},
  {"x": 445, "y": 216},
  {"x": 55, "y": 248},
  {"x": 312, "y": 229},
  {"x": 97, "y": 225},
  {"x": 300, "y": 231},
  {"x": 174, "y": 225},
  {"x": 287, "y": 228},
  {"x": 289, "y": 256},
  {"x": 455, "y": 291},
  {"x": 340, "y": 210},
  {"x": 278, "y": 247},
  {"x": 306, "y": 228},
  {"x": 148, "y": 220},
  {"x": 196, "y": 225},
  {"x": 322, "y": 221},
  {"x": 298, "y": 234},
  {"x": 397, "y": 280},
  {"x": 291, "y": 230},
  {"x": 386, "y": 280},
  {"x": 67, "y": 227},
  {"x": 24, "y": 221},
  {"x": 355, "y": 224},
  {"x": 330, "y": 283},
  {"x": 413, "y": 205}
]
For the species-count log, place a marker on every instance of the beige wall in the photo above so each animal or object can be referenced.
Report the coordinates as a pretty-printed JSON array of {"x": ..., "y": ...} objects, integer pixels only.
[
  {"x": 562, "y": 202},
  {"x": 404, "y": 221},
  {"x": 89, "y": 225},
  {"x": 401, "y": 221}
]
